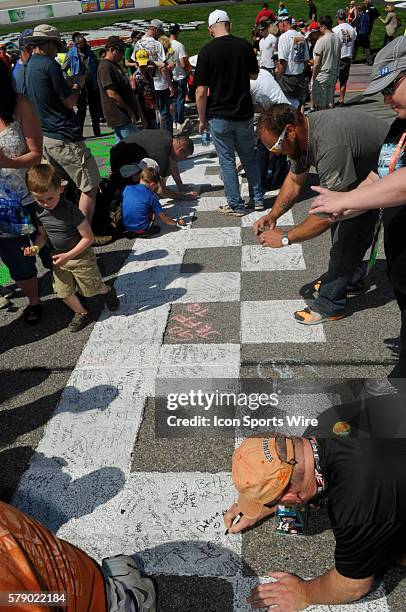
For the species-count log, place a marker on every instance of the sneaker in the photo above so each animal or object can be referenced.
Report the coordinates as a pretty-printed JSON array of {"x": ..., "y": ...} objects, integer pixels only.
[
  {"x": 33, "y": 314},
  {"x": 101, "y": 240},
  {"x": 79, "y": 321},
  {"x": 111, "y": 300},
  {"x": 259, "y": 206},
  {"x": 357, "y": 288},
  {"x": 237, "y": 211},
  {"x": 4, "y": 302},
  {"x": 309, "y": 317},
  {"x": 374, "y": 387}
]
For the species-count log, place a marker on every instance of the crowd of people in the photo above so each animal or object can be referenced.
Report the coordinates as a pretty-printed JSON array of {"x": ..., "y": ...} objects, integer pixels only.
[{"x": 51, "y": 195}]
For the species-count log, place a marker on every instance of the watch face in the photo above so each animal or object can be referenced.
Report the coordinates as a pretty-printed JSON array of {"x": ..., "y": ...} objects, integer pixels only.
[{"x": 285, "y": 240}]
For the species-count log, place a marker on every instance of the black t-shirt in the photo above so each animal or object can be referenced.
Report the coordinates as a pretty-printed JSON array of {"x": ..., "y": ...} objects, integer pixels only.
[
  {"x": 366, "y": 488},
  {"x": 394, "y": 219},
  {"x": 42, "y": 81},
  {"x": 224, "y": 65},
  {"x": 156, "y": 144},
  {"x": 312, "y": 11},
  {"x": 110, "y": 76}
]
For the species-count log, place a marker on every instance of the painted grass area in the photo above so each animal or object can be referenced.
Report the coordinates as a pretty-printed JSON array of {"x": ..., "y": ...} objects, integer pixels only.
[{"x": 242, "y": 15}]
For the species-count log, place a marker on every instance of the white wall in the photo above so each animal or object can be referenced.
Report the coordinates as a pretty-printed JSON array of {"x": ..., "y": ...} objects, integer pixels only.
[{"x": 40, "y": 12}]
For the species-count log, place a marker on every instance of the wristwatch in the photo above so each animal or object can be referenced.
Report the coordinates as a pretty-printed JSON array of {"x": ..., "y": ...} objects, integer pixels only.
[{"x": 285, "y": 239}]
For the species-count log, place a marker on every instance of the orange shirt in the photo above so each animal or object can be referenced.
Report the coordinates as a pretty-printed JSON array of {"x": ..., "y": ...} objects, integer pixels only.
[{"x": 32, "y": 558}]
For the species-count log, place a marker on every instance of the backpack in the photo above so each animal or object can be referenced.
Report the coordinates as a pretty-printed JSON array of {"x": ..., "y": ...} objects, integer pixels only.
[{"x": 398, "y": 21}]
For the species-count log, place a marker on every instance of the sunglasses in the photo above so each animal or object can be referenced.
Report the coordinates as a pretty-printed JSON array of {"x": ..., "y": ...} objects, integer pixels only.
[
  {"x": 277, "y": 147},
  {"x": 389, "y": 90}
]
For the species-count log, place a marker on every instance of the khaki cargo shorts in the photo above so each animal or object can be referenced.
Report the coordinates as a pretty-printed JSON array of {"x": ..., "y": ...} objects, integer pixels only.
[
  {"x": 80, "y": 275},
  {"x": 75, "y": 160}
]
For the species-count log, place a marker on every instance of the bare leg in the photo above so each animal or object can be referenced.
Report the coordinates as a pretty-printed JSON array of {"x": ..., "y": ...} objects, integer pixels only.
[
  {"x": 75, "y": 304},
  {"x": 105, "y": 289},
  {"x": 30, "y": 289},
  {"x": 87, "y": 203},
  {"x": 342, "y": 93}
]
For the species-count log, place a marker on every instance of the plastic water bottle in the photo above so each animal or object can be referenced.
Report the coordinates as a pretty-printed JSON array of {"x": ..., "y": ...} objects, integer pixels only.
[{"x": 205, "y": 138}]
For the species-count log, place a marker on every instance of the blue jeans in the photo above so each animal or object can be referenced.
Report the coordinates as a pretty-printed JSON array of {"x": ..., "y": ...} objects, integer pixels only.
[
  {"x": 163, "y": 101},
  {"x": 124, "y": 130},
  {"x": 179, "y": 100},
  {"x": 231, "y": 137},
  {"x": 351, "y": 240}
]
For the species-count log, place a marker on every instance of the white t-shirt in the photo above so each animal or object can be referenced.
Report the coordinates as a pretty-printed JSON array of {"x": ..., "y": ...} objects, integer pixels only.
[
  {"x": 293, "y": 49},
  {"x": 347, "y": 35},
  {"x": 180, "y": 52},
  {"x": 267, "y": 47},
  {"x": 156, "y": 54},
  {"x": 265, "y": 90}
]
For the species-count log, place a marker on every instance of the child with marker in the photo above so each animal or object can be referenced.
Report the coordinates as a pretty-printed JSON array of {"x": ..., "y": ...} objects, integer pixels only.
[
  {"x": 75, "y": 268},
  {"x": 141, "y": 204}
]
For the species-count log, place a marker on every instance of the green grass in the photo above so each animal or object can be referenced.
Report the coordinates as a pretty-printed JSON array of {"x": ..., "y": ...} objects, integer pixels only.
[{"x": 242, "y": 16}]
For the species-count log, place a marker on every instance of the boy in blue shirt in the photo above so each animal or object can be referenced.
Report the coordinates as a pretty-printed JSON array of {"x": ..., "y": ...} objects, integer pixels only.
[{"x": 141, "y": 205}]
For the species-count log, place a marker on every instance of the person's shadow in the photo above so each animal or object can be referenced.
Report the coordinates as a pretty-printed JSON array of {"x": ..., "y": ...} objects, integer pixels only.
[{"x": 53, "y": 497}]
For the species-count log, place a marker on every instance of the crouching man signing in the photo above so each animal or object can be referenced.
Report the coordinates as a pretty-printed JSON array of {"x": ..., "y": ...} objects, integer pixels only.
[{"x": 365, "y": 482}]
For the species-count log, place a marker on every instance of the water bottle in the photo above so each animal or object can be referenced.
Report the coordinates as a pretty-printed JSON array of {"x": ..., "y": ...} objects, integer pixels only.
[{"x": 205, "y": 138}]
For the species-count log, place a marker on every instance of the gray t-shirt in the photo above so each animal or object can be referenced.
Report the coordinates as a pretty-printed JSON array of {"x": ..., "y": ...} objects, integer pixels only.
[
  {"x": 328, "y": 47},
  {"x": 60, "y": 224},
  {"x": 344, "y": 147}
]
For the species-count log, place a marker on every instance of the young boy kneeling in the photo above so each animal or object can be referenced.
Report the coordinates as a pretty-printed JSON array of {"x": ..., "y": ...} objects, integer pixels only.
[
  {"x": 74, "y": 262},
  {"x": 141, "y": 204}
]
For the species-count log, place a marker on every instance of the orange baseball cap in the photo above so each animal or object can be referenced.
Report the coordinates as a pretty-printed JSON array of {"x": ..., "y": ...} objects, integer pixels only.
[{"x": 259, "y": 474}]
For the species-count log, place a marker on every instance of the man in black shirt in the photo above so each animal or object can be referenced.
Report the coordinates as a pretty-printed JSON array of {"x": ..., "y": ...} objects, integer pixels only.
[
  {"x": 225, "y": 67},
  {"x": 365, "y": 482},
  {"x": 312, "y": 11}
]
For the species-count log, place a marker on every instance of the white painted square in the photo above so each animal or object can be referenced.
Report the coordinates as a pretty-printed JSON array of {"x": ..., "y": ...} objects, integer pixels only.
[
  {"x": 172, "y": 521},
  {"x": 214, "y": 237},
  {"x": 210, "y": 204},
  {"x": 273, "y": 321},
  {"x": 113, "y": 355},
  {"x": 199, "y": 361},
  {"x": 139, "y": 327},
  {"x": 206, "y": 287},
  {"x": 249, "y": 220},
  {"x": 258, "y": 258}
]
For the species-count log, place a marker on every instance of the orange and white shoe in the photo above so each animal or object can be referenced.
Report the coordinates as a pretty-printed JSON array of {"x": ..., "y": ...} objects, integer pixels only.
[{"x": 310, "y": 317}]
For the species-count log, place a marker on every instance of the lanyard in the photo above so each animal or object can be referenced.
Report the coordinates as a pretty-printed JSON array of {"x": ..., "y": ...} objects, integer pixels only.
[
  {"x": 317, "y": 469},
  {"x": 378, "y": 226}
]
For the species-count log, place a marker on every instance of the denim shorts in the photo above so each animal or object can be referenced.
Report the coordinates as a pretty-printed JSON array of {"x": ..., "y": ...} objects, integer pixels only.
[{"x": 21, "y": 268}]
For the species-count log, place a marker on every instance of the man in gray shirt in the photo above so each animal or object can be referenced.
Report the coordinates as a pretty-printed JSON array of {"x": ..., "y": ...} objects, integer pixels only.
[
  {"x": 326, "y": 65},
  {"x": 344, "y": 147}
]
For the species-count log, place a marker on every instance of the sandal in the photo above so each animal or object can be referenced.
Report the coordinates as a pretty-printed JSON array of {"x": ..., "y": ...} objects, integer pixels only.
[{"x": 33, "y": 314}]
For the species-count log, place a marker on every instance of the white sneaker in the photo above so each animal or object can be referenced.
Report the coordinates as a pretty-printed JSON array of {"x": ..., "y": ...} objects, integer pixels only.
[
  {"x": 237, "y": 211},
  {"x": 374, "y": 387}
]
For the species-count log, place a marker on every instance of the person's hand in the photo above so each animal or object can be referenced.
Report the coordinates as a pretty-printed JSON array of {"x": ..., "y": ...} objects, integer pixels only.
[
  {"x": 271, "y": 238},
  {"x": 287, "y": 593},
  {"x": 181, "y": 223},
  {"x": 30, "y": 251},
  {"x": 332, "y": 202},
  {"x": 244, "y": 522},
  {"x": 59, "y": 259},
  {"x": 268, "y": 220},
  {"x": 203, "y": 127},
  {"x": 190, "y": 195},
  {"x": 172, "y": 90}
]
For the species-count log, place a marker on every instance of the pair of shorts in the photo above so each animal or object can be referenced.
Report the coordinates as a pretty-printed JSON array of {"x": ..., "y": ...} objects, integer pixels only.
[
  {"x": 79, "y": 275},
  {"x": 323, "y": 93},
  {"x": 75, "y": 160},
  {"x": 21, "y": 268},
  {"x": 345, "y": 65}
]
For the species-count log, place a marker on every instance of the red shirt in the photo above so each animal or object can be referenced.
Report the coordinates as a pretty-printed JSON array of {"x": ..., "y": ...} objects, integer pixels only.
[{"x": 265, "y": 14}]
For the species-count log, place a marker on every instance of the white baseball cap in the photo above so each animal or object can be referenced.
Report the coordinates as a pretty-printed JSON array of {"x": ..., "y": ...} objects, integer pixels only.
[
  {"x": 130, "y": 169},
  {"x": 218, "y": 16}
]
